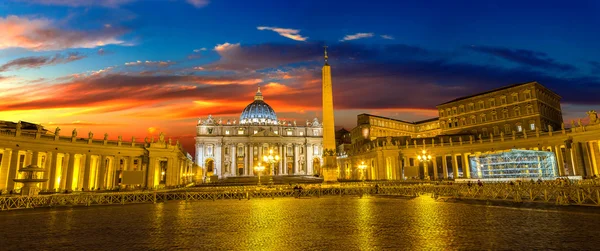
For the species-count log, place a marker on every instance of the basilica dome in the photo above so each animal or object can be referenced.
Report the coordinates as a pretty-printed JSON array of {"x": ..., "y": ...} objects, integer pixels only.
[{"x": 258, "y": 112}]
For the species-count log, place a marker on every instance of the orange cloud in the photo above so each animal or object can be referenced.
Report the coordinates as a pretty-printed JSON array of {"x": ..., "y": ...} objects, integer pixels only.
[{"x": 39, "y": 34}]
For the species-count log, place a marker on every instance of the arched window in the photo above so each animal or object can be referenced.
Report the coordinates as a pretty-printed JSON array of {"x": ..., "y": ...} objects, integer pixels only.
[
  {"x": 517, "y": 111},
  {"x": 507, "y": 128}
]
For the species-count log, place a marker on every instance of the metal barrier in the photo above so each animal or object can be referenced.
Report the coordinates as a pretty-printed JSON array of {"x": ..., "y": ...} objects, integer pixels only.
[
  {"x": 526, "y": 192},
  {"x": 196, "y": 194}
]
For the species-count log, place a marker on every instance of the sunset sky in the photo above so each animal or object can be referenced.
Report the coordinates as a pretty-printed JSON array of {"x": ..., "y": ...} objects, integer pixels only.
[{"x": 137, "y": 67}]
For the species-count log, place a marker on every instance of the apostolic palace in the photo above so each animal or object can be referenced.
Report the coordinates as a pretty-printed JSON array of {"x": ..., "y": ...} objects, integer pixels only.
[{"x": 516, "y": 131}]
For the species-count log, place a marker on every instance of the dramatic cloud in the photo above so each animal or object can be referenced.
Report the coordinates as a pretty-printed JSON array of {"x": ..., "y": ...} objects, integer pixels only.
[
  {"x": 289, "y": 33},
  {"x": 150, "y": 63},
  {"x": 524, "y": 57},
  {"x": 79, "y": 3},
  {"x": 39, "y": 61},
  {"x": 357, "y": 36},
  {"x": 42, "y": 35},
  {"x": 198, "y": 3},
  {"x": 255, "y": 57},
  {"x": 387, "y": 37}
]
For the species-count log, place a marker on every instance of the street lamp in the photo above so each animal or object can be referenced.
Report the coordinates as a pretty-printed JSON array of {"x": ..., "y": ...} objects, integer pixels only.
[
  {"x": 259, "y": 169},
  {"x": 424, "y": 157},
  {"x": 271, "y": 159},
  {"x": 362, "y": 168}
]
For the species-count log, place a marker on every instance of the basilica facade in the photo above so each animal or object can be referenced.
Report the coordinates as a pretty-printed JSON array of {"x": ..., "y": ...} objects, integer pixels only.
[{"x": 231, "y": 148}]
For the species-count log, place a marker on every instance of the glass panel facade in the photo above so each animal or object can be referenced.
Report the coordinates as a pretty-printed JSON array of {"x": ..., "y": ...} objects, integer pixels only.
[{"x": 520, "y": 164}]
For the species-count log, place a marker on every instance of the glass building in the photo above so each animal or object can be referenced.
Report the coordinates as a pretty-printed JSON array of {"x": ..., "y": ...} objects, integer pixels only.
[{"x": 514, "y": 164}]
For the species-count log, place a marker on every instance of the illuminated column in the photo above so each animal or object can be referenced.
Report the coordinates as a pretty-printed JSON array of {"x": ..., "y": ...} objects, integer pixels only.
[
  {"x": 251, "y": 167},
  {"x": 435, "y": 167},
  {"x": 455, "y": 166},
  {"x": 403, "y": 167},
  {"x": 4, "y": 167},
  {"x": 35, "y": 159},
  {"x": 295, "y": 158},
  {"x": 246, "y": 159},
  {"x": 445, "y": 166},
  {"x": 53, "y": 171},
  {"x": 28, "y": 157},
  {"x": 233, "y": 160},
  {"x": 309, "y": 159},
  {"x": 12, "y": 170},
  {"x": 280, "y": 163},
  {"x": 284, "y": 159},
  {"x": 559, "y": 160},
  {"x": 151, "y": 173},
  {"x": 102, "y": 178},
  {"x": 86, "y": 174},
  {"x": 70, "y": 167},
  {"x": 466, "y": 169}
]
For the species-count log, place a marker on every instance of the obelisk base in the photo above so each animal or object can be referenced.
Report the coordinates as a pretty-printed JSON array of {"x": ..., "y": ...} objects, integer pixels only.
[{"x": 329, "y": 169}]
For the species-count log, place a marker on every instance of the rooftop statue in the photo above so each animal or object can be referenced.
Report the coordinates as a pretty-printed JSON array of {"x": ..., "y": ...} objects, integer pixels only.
[
  {"x": 74, "y": 133},
  {"x": 105, "y": 136},
  {"x": 593, "y": 117},
  {"x": 57, "y": 131}
]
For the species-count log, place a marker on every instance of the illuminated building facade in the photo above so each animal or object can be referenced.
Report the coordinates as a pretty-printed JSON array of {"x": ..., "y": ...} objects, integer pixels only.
[
  {"x": 533, "y": 121},
  {"x": 76, "y": 163},
  {"x": 231, "y": 149}
]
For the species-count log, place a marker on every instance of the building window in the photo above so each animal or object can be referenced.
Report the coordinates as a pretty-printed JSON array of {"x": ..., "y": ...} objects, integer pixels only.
[
  {"x": 255, "y": 131},
  {"x": 441, "y": 113},
  {"x": 529, "y": 109},
  {"x": 480, "y": 105},
  {"x": 461, "y": 109},
  {"x": 492, "y": 102},
  {"x": 226, "y": 150},
  {"x": 496, "y": 130},
  {"x": 289, "y": 151},
  {"x": 209, "y": 150},
  {"x": 240, "y": 151},
  {"x": 453, "y": 110},
  {"x": 515, "y": 98},
  {"x": 473, "y": 120},
  {"x": 289, "y": 133},
  {"x": 517, "y": 111},
  {"x": 505, "y": 113},
  {"x": 240, "y": 131},
  {"x": 494, "y": 115},
  {"x": 519, "y": 128},
  {"x": 483, "y": 118},
  {"x": 315, "y": 150},
  {"x": 507, "y": 129},
  {"x": 227, "y": 132},
  {"x": 462, "y": 121},
  {"x": 532, "y": 125},
  {"x": 450, "y": 124},
  {"x": 503, "y": 100},
  {"x": 471, "y": 107},
  {"x": 276, "y": 132},
  {"x": 527, "y": 95}
]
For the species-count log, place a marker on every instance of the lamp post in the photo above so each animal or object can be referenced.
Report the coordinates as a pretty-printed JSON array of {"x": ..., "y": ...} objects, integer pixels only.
[
  {"x": 425, "y": 158},
  {"x": 271, "y": 159},
  {"x": 259, "y": 169},
  {"x": 362, "y": 168}
]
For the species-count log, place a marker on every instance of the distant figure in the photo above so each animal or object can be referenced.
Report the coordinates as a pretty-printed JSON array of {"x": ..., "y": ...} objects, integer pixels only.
[
  {"x": 376, "y": 188},
  {"x": 479, "y": 183},
  {"x": 11, "y": 192}
]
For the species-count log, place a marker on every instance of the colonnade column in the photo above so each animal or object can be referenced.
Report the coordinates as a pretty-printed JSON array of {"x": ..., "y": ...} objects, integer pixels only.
[
  {"x": 151, "y": 172},
  {"x": 280, "y": 163},
  {"x": 233, "y": 168},
  {"x": 69, "y": 176},
  {"x": 86, "y": 174},
  {"x": 466, "y": 169},
  {"x": 246, "y": 159},
  {"x": 455, "y": 166},
  {"x": 251, "y": 156},
  {"x": 35, "y": 159},
  {"x": 53, "y": 170},
  {"x": 102, "y": 179},
  {"x": 295, "y": 158},
  {"x": 284, "y": 159},
  {"x": 12, "y": 170},
  {"x": 445, "y": 166},
  {"x": 309, "y": 162},
  {"x": 559, "y": 160},
  {"x": 435, "y": 168}
]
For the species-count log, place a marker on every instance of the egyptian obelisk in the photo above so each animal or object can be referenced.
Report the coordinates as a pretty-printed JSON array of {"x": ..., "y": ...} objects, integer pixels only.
[{"x": 330, "y": 170}]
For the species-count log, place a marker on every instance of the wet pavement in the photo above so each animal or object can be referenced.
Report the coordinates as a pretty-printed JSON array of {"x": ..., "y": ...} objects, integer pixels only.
[{"x": 333, "y": 223}]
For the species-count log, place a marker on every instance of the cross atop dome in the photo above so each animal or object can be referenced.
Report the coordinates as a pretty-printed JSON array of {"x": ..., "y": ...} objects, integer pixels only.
[{"x": 258, "y": 95}]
